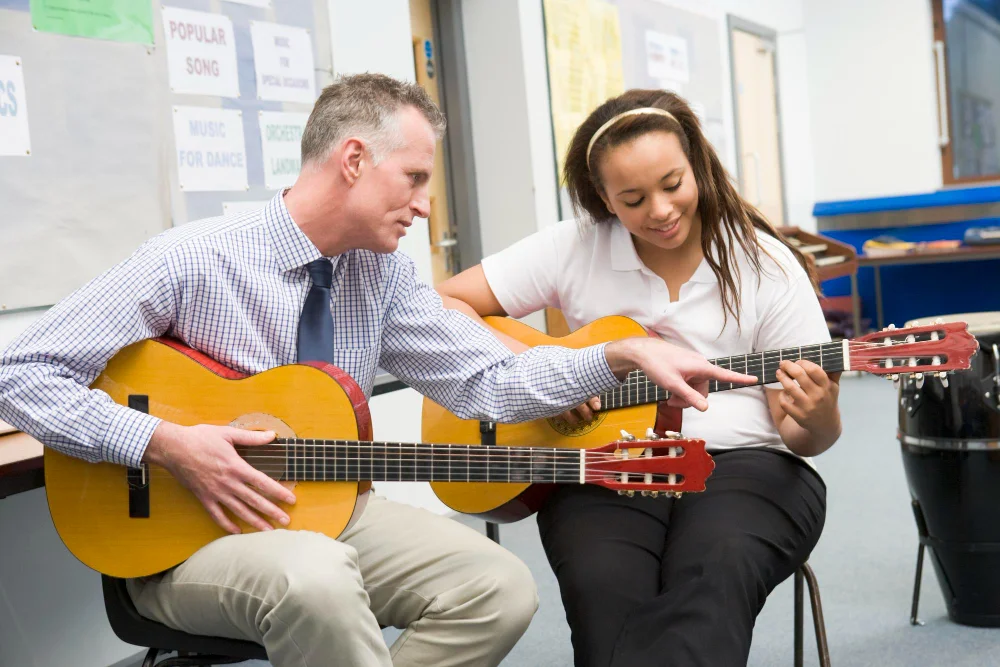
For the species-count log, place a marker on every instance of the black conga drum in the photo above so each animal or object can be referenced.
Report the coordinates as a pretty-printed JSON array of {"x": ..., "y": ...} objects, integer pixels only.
[{"x": 949, "y": 433}]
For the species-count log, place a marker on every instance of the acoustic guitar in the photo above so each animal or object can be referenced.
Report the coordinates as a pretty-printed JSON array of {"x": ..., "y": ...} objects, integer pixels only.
[
  {"x": 131, "y": 522},
  {"x": 937, "y": 348}
]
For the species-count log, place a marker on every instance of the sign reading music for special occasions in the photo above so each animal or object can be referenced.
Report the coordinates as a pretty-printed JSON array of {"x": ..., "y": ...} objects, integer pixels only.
[
  {"x": 211, "y": 152},
  {"x": 283, "y": 58},
  {"x": 201, "y": 53},
  {"x": 281, "y": 143},
  {"x": 14, "y": 137}
]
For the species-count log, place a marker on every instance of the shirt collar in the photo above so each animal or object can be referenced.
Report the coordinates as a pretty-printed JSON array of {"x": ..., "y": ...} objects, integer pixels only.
[
  {"x": 292, "y": 247},
  {"x": 625, "y": 258}
]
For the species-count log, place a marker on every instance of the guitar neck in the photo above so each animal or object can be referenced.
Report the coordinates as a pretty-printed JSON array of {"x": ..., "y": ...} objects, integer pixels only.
[
  {"x": 351, "y": 460},
  {"x": 640, "y": 390}
]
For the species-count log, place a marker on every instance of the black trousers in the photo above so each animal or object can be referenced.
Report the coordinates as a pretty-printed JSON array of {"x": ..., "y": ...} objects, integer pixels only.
[{"x": 655, "y": 581}]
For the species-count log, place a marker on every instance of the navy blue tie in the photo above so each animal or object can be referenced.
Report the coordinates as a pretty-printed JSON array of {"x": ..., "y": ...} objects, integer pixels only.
[{"x": 316, "y": 323}]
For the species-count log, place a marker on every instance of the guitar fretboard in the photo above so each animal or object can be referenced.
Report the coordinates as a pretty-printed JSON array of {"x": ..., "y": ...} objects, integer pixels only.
[
  {"x": 350, "y": 460},
  {"x": 639, "y": 390}
]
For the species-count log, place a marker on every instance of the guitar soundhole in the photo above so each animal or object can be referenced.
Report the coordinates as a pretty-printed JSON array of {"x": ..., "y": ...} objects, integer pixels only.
[{"x": 576, "y": 430}]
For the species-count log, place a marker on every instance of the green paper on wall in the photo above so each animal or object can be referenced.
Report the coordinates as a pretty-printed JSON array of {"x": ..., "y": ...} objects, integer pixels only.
[{"x": 116, "y": 20}]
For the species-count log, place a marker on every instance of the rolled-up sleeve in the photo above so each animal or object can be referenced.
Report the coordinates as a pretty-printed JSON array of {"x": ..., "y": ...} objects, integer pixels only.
[{"x": 45, "y": 374}]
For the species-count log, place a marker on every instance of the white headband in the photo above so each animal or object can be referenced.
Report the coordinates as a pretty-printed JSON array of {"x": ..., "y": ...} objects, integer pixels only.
[{"x": 634, "y": 112}]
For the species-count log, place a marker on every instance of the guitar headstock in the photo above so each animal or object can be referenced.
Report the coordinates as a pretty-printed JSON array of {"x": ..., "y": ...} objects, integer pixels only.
[
  {"x": 932, "y": 349},
  {"x": 651, "y": 466}
]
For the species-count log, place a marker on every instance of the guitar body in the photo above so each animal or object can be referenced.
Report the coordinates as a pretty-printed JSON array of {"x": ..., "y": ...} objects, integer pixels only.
[
  {"x": 89, "y": 502},
  {"x": 511, "y": 502}
]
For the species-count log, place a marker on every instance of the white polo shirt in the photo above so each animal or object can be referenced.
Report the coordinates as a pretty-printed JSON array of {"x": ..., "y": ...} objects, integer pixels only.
[{"x": 590, "y": 271}]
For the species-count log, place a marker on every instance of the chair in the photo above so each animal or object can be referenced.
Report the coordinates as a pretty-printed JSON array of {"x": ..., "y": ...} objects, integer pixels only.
[
  {"x": 192, "y": 650},
  {"x": 806, "y": 574}
]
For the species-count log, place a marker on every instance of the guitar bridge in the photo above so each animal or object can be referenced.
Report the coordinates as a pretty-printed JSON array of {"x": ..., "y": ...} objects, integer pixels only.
[{"x": 138, "y": 478}]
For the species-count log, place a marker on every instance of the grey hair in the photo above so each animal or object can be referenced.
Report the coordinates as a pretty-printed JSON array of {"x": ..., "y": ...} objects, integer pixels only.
[{"x": 365, "y": 106}]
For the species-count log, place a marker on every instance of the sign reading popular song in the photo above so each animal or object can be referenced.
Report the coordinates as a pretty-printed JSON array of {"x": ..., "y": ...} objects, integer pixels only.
[
  {"x": 283, "y": 59},
  {"x": 211, "y": 152},
  {"x": 201, "y": 53}
]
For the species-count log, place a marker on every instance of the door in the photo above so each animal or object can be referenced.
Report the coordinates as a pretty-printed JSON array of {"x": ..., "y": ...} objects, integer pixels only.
[
  {"x": 755, "y": 97},
  {"x": 444, "y": 246}
]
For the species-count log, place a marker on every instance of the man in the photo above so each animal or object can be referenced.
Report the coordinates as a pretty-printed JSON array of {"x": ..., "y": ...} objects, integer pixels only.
[{"x": 313, "y": 276}]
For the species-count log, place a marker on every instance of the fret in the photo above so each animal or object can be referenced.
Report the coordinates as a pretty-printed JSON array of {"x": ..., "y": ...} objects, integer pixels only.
[
  {"x": 378, "y": 461},
  {"x": 520, "y": 465},
  {"x": 501, "y": 464},
  {"x": 487, "y": 462},
  {"x": 763, "y": 370},
  {"x": 461, "y": 468},
  {"x": 321, "y": 461},
  {"x": 424, "y": 470},
  {"x": 821, "y": 356},
  {"x": 352, "y": 451},
  {"x": 440, "y": 462}
]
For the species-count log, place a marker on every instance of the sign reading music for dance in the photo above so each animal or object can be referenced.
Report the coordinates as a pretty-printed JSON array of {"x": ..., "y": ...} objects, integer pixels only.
[
  {"x": 201, "y": 53},
  {"x": 283, "y": 59},
  {"x": 211, "y": 151}
]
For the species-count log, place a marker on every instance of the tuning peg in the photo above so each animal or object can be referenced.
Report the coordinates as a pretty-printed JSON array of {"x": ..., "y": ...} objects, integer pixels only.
[
  {"x": 654, "y": 494},
  {"x": 620, "y": 492},
  {"x": 651, "y": 434},
  {"x": 630, "y": 493},
  {"x": 919, "y": 377},
  {"x": 644, "y": 493},
  {"x": 672, "y": 435},
  {"x": 895, "y": 377},
  {"x": 911, "y": 339},
  {"x": 895, "y": 381},
  {"x": 944, "y": 379},
  {"x": 627, "y": 436}
]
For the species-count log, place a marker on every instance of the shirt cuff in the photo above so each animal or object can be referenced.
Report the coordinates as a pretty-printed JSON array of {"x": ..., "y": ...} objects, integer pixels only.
[
  {"x": 128, "y": 436},
  {"x": 591, "y": 366}
]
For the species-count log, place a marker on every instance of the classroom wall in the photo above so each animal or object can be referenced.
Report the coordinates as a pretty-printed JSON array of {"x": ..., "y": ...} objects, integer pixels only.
[
  {"x": 515, "y": 163},
  {"x": 51, "y": 608},
  {"x": 872, "y": 96}
]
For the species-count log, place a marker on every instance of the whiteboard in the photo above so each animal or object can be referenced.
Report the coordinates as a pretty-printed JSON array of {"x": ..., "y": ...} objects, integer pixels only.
[{"x": 102, "y": 176}]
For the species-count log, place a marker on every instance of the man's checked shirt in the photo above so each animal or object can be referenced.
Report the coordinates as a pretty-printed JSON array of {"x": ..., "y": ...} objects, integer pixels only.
[{"x": 233, "y": 287}]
